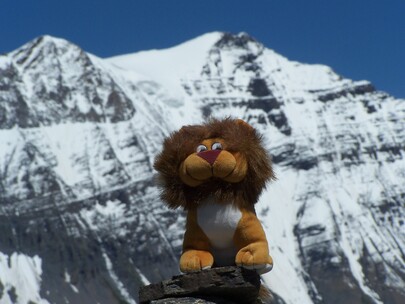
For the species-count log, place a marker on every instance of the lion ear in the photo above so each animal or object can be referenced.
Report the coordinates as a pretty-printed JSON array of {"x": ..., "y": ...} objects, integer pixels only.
[
  {"x": 186, "y": 130},
  {"x": 183, "y": 129},
  {"x": 244, "y": 124}
]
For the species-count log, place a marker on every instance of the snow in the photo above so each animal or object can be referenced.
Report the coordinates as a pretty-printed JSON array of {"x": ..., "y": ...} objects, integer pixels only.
[
  {"x": 168, "y": 71},
  {"x": 114, "y": 277},
  {"x": 169, "y": 65},
  {"x": 67, "y": 280},
  {"x": 144, "y": 280},
  {"x": 102, "y": 217},
  {"x": 277, "y": 212},
  {"x": 4, "y": 62},
  {"x": 20, "y": 274}
]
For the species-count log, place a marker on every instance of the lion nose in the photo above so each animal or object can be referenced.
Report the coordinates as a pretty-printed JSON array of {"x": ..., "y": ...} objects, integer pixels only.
[{"x": 209, "y": 156}]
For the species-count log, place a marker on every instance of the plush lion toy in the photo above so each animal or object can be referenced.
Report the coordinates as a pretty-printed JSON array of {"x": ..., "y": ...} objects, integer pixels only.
[{"x": 216, "y": 172}]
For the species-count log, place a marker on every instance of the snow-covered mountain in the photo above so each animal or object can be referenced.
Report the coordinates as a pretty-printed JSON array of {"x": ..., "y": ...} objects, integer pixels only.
[{"x": 80, "y": 217}]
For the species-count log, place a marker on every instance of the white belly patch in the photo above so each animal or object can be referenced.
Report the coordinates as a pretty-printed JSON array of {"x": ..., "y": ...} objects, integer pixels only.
[{"x": 219, "y": 222}]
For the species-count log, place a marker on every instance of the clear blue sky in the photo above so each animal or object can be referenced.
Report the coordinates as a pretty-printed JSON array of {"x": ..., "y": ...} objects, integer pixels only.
[{"x": 359, "y": 39}]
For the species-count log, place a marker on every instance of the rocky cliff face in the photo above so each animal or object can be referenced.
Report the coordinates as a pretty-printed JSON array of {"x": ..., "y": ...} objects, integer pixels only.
[{"x": 80, "y": 218}]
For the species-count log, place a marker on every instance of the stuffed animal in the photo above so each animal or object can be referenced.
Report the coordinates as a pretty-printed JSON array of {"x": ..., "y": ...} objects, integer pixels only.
[{"x": 216, "y": 172}]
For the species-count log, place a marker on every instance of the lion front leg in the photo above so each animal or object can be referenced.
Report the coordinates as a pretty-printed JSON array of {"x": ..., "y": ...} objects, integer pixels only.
[
  {"x": 255, "y": 256},
  {"x": 251, "y": 241},
  {"x": 196, "y": 247},
  {"x": 195, "y": 260}
]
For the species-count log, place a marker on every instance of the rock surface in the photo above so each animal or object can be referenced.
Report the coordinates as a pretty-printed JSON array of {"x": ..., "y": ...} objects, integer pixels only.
[{"x": 217, "y": 285}]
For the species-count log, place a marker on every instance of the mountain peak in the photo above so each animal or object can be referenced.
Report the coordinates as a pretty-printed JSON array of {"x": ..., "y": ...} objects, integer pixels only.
[
  {"x": 44, "y": 48},
  {"x": 187, "y": 58},
  {"x": 239, "y": 40}
]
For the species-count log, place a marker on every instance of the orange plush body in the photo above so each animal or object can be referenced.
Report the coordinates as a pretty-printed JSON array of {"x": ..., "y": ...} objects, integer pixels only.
[{"x": 216, "y": 171}]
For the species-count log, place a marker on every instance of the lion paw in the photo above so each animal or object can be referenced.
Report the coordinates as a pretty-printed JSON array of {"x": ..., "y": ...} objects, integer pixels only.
[
  {"x": 259, "y": 261},
  {"x": 195, "y": 260}
]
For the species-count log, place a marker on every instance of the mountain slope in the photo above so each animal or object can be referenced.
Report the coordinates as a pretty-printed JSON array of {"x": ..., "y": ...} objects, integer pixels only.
[{"x": 78, "y": 135}]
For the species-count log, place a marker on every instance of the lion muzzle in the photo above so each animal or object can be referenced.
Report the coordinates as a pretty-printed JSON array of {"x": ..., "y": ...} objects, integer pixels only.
[{"x": 210, "y": 156}]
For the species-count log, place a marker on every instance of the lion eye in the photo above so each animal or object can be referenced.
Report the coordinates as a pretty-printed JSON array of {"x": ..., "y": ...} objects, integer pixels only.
[
  {"x": 201, "y": 148},
  {"x": 216, "y": 146}
]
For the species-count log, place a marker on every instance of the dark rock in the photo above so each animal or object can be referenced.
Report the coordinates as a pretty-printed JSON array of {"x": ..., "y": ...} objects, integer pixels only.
[
  {"x": 12, "y": 294},
  {"x": 240, "y": 41},
  {"x": 280, "y": 121},
  {"x": 228, "y": 284},
  {"x": 119, "y": 107},
  {"x": 258, "y": 87},
  {"x": 265, "y": 104},
  {"x": 356, "y": 89}
]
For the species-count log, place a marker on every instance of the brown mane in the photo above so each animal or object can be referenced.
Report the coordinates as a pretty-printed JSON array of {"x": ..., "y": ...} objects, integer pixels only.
[{"x": 239, "y": 137}]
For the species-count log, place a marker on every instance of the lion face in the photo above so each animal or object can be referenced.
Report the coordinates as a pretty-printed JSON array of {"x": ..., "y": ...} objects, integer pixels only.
[
  {"x": 211, "y": 160},
  {"x": 221, "y": 158}
]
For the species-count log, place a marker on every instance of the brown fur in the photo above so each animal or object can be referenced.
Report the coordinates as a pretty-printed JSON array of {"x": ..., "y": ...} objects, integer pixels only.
[
  {"x": 251, "y": 241},
  {"x": 238, "y": 137},
  {"x": 196, "y": 246}
]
